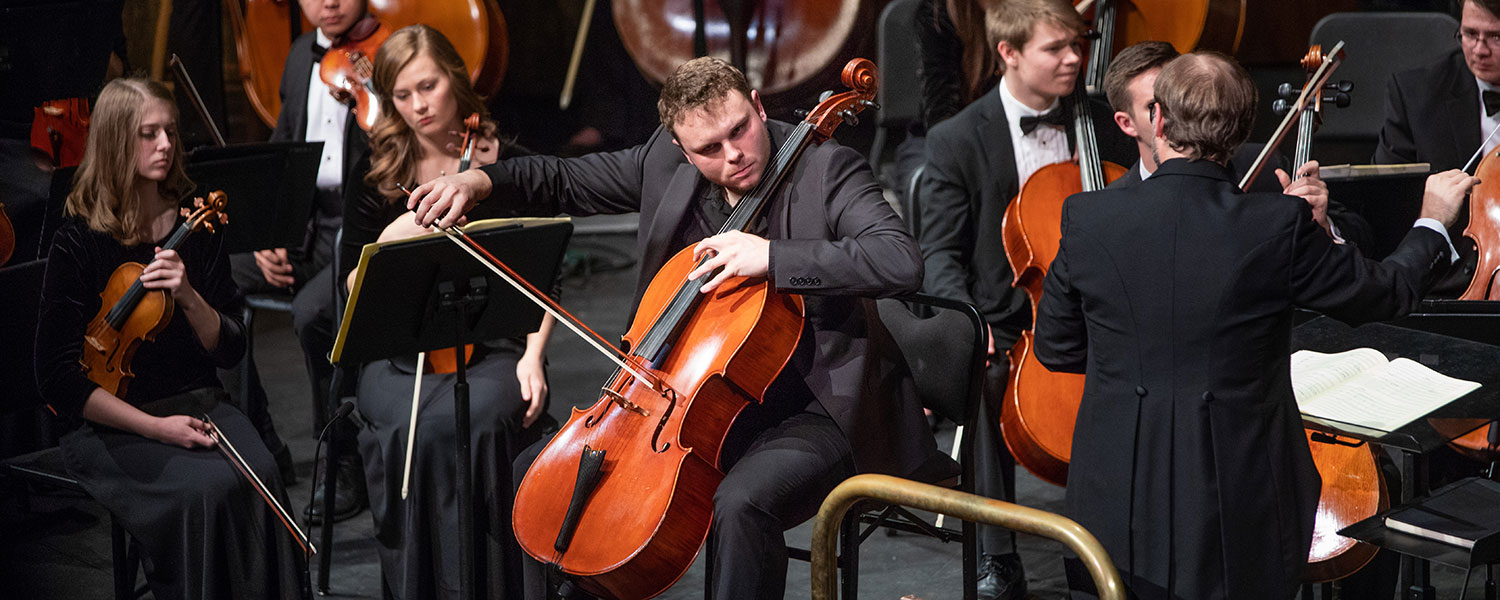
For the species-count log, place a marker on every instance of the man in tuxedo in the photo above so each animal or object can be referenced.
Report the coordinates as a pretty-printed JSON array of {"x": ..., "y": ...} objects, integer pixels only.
[
  {"x": 1174, "y": 297},
  {"x": 844, "y": 402},
  {"x": 1128, "y": 83},
  {"x": 1441, "y": 112},
  {"x": 309, "y": 113},
  {"x": 977, "y": 161}
]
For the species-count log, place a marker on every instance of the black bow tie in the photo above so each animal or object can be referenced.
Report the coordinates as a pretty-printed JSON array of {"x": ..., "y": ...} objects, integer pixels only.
[
  {"x": 1491, "y": 102},
  {"x": 318, "y": 51},
  {"x": 1057, "y": 117}
]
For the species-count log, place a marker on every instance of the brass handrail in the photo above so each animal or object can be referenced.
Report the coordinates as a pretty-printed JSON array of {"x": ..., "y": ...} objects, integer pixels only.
[{"x": 969, "y": 507}]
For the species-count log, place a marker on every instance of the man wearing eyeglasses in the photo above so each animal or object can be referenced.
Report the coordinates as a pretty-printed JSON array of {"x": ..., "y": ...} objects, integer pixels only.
[{"x": 1439, "y": 113}]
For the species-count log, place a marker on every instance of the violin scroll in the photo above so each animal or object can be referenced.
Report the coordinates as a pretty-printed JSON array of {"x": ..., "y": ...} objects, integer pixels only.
[
  {"x": 207, "y": 213},
  {"x": 862, "y": 78}
]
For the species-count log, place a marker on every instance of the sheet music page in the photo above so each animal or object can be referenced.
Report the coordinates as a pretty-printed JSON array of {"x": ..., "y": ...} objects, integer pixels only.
[
  {"x": 1387, "y": 397},
  {"x": 1314, "y": 373}
]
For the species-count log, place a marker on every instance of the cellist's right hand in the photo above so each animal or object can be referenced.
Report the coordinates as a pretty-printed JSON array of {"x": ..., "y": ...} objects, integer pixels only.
[
  {"x": 443, "y": 201},
  {"x": 181, "y": 430},
  {"x": 1444, "y": 195}
]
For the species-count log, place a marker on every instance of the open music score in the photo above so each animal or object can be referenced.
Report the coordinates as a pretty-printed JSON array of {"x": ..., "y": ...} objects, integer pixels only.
[{"x": 1360, "y": 387}]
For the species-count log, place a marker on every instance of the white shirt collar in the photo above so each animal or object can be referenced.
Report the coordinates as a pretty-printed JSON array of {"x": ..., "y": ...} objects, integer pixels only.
[
  {"x": 323, "y": 40},
  {"x": 1015, "y": 109},
  {"x": 1144, "y": 173}
]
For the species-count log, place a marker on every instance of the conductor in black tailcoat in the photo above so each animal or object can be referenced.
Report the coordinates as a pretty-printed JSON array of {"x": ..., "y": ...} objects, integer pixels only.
[{"x": 1175, "y": 297}]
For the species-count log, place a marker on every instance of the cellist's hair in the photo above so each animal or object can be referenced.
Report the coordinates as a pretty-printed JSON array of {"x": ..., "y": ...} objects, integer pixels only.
[
  {"x": 1208, "y": 103},
  {"x": 1014, "y": 21},
  {"x": 698, "y": 83},
  {"x": 394, "y": 150},
  {"x": 104, "y": 195},
  {"x": 1129, "y": 64}
]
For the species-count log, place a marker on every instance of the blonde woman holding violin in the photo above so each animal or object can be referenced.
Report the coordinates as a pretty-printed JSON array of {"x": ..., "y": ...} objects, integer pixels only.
[
  {"x": 146, "y": 455},
  {"x": 425, "y": 96}
]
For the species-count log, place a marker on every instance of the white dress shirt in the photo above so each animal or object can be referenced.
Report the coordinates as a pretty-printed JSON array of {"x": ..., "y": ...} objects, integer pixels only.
[
  {"x": 1043, "y": 146},
  {"x": 325, "y": 123}
]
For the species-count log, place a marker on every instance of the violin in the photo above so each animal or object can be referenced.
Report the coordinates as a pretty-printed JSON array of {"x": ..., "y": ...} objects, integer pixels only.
[
  {"x": 264, "y": 31},
  {"x": 131, "y": 314},
  {"x": 445, "y": 362},
  {"x": 1041, "y": 406},
  {"x": 348, "y": 68},
  {"x": 60, "y": 129},
  {"x": 642, "y": 462}
]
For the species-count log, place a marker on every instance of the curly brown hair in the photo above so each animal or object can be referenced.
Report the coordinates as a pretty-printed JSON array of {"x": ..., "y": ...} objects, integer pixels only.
[
  {"x": 698, "y": 83},
  {"x": 103, "y": 194},
  {"x": 393, "y": 145}
]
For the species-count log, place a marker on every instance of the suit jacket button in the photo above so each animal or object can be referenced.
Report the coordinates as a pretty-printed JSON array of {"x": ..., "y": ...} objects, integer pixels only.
[
  {"x": 1140, "y": 391},
  {"x": 817, "y": 281}
]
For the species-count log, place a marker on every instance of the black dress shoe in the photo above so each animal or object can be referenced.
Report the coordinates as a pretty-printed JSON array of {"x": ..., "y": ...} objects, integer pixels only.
[
  {"x": 1001, "y": 577},
  {"x": 349, "y": 499}
]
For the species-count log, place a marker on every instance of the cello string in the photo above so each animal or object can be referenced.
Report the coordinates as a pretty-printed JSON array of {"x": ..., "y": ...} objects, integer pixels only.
[{"x": 1469, "y": 166}]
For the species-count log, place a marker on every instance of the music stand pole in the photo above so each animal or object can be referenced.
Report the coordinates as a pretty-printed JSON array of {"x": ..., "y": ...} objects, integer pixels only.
[{"x": 467, "y": 544}]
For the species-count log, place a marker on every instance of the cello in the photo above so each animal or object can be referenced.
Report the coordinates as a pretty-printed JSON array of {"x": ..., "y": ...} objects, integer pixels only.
[
  {"x": 1483, "y": 444},
  {"x": 265, "y": 29},
  {"x": 1040, "y": 406},
  {"x": 1353, "y": 487},
  {"x": 622, "y": 498}
]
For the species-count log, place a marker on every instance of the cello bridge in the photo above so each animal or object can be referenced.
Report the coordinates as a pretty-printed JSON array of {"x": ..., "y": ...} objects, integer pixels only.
[{"x": 624, "y": 402}]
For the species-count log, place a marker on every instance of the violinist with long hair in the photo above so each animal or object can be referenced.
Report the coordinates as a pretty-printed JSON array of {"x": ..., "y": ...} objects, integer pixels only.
[
  {"x": 147, "y": 456},
  {"x": 425, "y": 96}
]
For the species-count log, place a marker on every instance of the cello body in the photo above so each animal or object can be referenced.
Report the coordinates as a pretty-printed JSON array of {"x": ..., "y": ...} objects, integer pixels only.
[
  {"x": 1353, "y": 490},
  {"x": 1484, "y": 230},
  {"x": 1040, "y": 406},
  {"x": 1187, "y": 25},
  {"x": 651, "y": 511}
]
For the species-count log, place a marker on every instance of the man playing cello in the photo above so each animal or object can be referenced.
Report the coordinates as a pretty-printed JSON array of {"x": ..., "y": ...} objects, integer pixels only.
[{"x": 841, "y": 405}]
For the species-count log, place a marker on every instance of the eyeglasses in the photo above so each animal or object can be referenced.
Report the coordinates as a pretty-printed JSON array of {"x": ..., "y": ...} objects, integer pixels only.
[
  {"x": 1470, "y": 37},
  {"x": 1151, "y": 110}
]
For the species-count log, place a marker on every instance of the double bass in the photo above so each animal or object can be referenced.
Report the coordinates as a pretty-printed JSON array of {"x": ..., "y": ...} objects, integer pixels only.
[
  {"x": 622, "y": 498},
  {"x": 264, "y": 31},
  {"x": 1041, "y": 406}
]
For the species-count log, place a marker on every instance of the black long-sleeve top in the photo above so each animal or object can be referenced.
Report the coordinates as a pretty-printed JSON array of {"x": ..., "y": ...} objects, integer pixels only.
[{"x": 78, "y": 267}]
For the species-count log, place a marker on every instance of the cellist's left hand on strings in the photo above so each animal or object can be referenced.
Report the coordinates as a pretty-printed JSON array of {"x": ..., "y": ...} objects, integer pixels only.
[
  {"x": 166, "y": 272},
  {"x": 1310, "y": 188},
  {"x": 741, "y": 254}
]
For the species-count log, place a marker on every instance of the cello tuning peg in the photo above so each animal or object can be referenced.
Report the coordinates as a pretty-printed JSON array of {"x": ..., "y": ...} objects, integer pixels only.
[
  {"x": 849, "y": 117},
  {"x": 825, "y": 95},
  {"x": 801, "y": 113},
  {"x": 869, "y": 104},
  {"x": 1286, "y": 91},
  {"x": 1341, "y": 100},
  {"x": 1280, "y": 106},
  {"x": 1340, "y": 86}
]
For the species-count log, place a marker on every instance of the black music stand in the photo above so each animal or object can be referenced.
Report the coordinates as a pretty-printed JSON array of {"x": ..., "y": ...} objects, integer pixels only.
[
  {"x": 1464, "y": 359},
  {"x": 427, "y": 293},
  {"x": 270, "y": 188}
]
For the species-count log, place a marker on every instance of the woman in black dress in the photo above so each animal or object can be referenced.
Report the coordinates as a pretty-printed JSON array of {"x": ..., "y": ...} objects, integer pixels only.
[
  {"x": 205, "y": 532},
  {"x": 425, "y": 96}
]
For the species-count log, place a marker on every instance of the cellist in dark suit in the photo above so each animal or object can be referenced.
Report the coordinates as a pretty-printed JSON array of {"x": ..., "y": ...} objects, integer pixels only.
[
  {"x": 844, "y": 403},
  {"x": 1174, "y": 297},
  {"x": 977, "y": 161}
]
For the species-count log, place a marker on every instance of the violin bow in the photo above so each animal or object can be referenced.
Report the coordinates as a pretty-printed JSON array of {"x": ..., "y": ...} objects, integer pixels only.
[
  {"x": 411, "y": 429},
  {"x": 233, "y": 456}
]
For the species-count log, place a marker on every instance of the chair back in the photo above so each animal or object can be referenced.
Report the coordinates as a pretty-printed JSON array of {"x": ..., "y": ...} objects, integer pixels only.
[
  {"x": 943, "y": 343},
  {"x": 911, "y": 202},
  {"x": 1376, "y": 46},
  {"x": 900, "y": 64}
]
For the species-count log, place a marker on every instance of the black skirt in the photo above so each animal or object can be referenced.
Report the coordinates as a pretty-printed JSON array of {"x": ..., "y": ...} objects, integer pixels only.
[
  {"x": 418, "y": 538},
  {"x": 203, "y": 530}
]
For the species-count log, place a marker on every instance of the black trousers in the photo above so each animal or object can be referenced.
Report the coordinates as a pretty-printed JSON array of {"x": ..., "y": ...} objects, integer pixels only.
[
  {"x": 778, "y": 481},
  {"x": 994, "y": 468}
]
